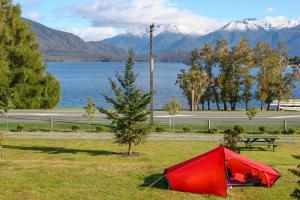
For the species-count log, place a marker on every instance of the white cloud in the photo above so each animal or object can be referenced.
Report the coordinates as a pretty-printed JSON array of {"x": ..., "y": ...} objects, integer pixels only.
[
  {"x": 95, "y": 33},
  {"x": 282, "y": 22},
  {"x": 33, "y": 16},
  {"x": 271, "y": 9},
  {"x": 130, "y": 13}
]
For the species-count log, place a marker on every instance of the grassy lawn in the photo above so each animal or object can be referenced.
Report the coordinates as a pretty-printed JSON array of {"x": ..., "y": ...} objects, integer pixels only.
[{"x": 92, "y": 169}]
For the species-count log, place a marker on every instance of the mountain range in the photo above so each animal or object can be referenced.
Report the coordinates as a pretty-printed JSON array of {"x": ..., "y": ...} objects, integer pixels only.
[
  {"x": 58, "y": 45},
  {"x": 171, "y": 44}
]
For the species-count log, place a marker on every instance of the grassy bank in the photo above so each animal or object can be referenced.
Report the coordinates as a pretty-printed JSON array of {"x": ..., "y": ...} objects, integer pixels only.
[
  {"x": 86, "y": 169},
  {"x": 195, "y": 128}
]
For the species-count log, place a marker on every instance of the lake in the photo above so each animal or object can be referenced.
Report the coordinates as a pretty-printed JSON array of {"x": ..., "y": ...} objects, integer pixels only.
[{"x": 80, "y": 80}]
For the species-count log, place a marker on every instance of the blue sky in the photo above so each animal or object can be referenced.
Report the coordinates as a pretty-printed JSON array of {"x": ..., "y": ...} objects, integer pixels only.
[
  {"x": 98, "y": 19},
  {"x": 240, "y": 9}
]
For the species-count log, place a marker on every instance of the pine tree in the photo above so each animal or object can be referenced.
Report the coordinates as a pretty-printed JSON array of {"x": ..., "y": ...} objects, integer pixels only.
[
  {"x": 130, "y": 107},
  {"x": 21, "y": 66},
  {"x": 51, "y": 92}
]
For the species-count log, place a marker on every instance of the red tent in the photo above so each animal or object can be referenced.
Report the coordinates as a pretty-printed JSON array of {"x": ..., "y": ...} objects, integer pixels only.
[{"x": 212, "y": 172}]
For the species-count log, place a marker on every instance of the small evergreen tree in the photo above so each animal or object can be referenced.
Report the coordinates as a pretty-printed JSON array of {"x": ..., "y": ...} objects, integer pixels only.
[
  {"x": 130, "y": 107},
  {"x": 90, "y": 111}
]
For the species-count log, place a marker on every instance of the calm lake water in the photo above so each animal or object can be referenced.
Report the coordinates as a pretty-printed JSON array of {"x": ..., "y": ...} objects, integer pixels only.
[{"x": 80, "y": 80}]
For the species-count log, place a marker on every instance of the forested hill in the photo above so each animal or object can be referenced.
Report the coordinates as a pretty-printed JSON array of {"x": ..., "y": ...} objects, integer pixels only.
[{"x": 62, "y": 46}]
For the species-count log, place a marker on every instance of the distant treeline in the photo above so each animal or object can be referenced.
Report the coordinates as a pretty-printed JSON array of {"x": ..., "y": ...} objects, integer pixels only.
[
  {"x": 172, "y": 56},
  {"x": 295, "y": 60},
  {"x": 222, "y": 75}
]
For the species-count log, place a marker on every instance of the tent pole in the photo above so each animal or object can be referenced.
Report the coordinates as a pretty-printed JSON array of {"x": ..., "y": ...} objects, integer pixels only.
[
  {"x": 156, "y": 181},
  {"x": 227, "y": 176}
]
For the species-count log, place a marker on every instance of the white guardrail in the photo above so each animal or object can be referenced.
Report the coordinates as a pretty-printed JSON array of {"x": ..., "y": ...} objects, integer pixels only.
[{"x": 292, "y": 105}]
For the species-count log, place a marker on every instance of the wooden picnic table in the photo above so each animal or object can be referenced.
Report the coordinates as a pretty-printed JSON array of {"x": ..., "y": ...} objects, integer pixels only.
[{"x": 270, "y": 141}]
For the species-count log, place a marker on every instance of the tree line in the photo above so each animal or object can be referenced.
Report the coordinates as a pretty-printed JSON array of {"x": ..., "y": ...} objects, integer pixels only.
[
  {"x": 227, "y": 76},
  {"x": 24, "y": 82}
]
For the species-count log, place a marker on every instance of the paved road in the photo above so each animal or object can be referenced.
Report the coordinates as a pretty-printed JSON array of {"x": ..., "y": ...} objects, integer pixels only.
[
  {"x": 185, "y": 117},
  {"x": 176, "y": 137}
]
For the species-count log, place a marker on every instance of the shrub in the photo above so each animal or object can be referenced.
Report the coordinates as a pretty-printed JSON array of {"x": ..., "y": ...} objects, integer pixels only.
[
  {"x": 277, "y": 131},
  {"x": 290, "y": 131},
  {"x": 262, "y": 129},
  {"x": 231, "y": 139},
  {"x": 239, "y": 129},
  {"x": 160, "y": 129},
  {"x": 100, "y": 128},
  {"x": 20, "y": 127},
  {"x": 213, "y": 131},
  {"x": 186, "y": 129},
  {"x": 75, "y": 128}
]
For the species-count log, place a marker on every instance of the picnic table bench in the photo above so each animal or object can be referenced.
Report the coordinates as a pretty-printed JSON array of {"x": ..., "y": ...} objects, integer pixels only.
[{"x": 252, "y": 140}]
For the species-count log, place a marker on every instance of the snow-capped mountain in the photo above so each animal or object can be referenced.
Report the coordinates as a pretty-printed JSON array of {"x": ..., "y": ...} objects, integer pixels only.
[
  {"x": 171, "y": 42},
  {"x": 269, "y": 23},
  {"x": 166, "y": 37},
  {"x": 261, "y": 24},
  {"x": 143, "y": 31},
  {"x": 172, "y": 37}
]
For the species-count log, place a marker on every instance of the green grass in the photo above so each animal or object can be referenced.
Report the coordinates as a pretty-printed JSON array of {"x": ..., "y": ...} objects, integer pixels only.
[{"x": 91, "y": 169}]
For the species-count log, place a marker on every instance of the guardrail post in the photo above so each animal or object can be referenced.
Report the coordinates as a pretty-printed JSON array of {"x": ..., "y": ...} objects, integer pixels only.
[
  {"x": 7, "y": 129},
  {"x": 51, "y": 123},
  {"x": 285, "y": 125},
  {"x": 208, "y": 125},
  {"x": 173, "y": 123}
]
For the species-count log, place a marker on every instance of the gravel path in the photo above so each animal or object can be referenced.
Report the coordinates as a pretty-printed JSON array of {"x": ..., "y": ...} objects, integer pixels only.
[{"x": 108, "y": 136}]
